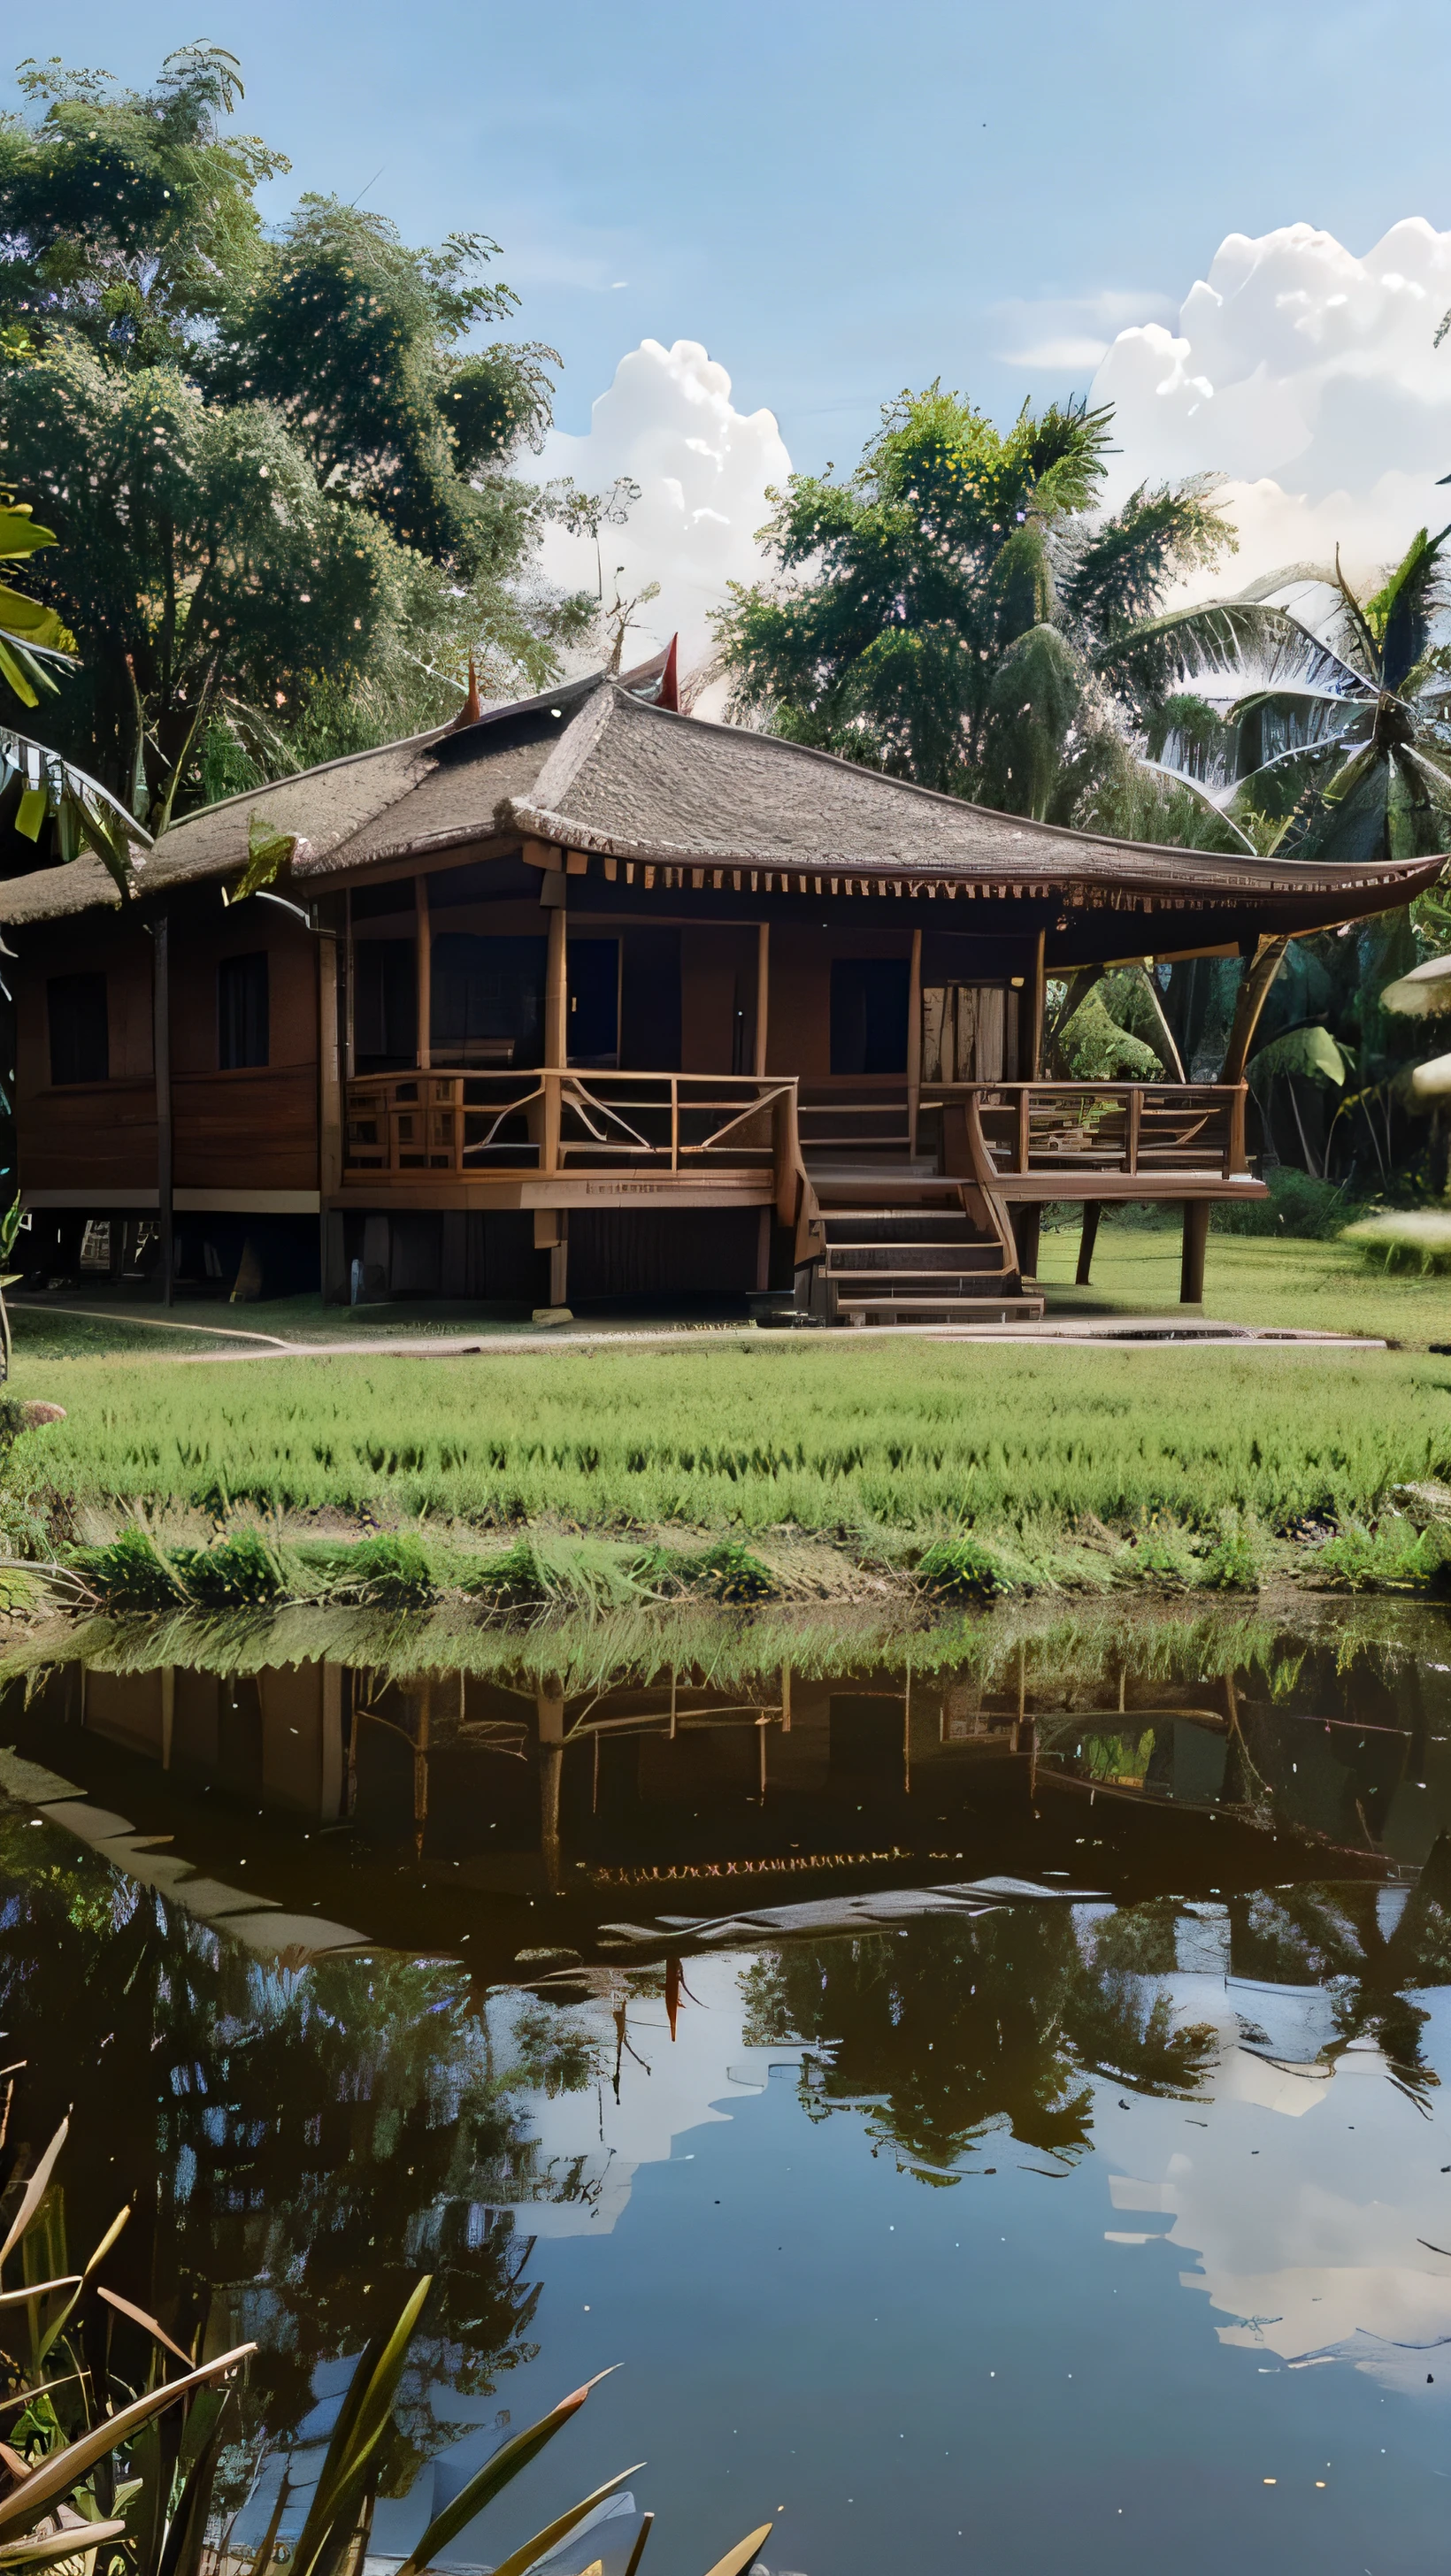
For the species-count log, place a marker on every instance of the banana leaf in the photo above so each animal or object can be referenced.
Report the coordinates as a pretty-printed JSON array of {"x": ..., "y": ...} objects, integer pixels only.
[{"x": 1310, "y": 1052}]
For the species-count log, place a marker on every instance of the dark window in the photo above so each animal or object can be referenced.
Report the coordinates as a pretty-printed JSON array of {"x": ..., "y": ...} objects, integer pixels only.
[
  {"x": 487, "y": 998},
  {"x": 385, "y": 1003},
  {"x": 867, "y": 1736},
  {"x": 80, "y": 1044},
  {"x": 869, "y": 1014},
  {"x": 242, "y": 1013},
  {"x": 594, "y": 1001}
]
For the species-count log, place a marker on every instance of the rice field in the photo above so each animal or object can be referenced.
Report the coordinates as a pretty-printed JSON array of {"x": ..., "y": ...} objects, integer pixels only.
[{"x": 884, "y": 1447}]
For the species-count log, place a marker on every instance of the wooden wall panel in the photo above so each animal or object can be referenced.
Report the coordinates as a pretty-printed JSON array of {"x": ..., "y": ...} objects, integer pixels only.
[
  {"x": 197, "y": 949},
  {"x": 713, "y": 959},
  {"x": 255, "y": 1129},
  {"x": 92, "y": 1136}
]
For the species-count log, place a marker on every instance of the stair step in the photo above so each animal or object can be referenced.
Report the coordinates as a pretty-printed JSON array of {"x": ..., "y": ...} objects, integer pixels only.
[
  {"x": 939, "y": 1310},
  {"x": 900, "y": 1233},
  {"x": 961, "y": 1264}
]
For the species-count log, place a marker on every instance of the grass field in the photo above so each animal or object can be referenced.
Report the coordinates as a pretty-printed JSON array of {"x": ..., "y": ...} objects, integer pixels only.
[{"x": 1075, "y": 1465}]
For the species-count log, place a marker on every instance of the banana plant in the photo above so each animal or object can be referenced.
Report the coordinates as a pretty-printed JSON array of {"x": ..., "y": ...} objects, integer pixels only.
[
  {"x": 33, "y": 645},
  {"x": 32, "y": 637}
]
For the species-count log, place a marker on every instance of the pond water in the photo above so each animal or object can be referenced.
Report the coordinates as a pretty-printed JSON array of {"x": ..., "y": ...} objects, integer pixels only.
[{"x": 986, "y": 2089}]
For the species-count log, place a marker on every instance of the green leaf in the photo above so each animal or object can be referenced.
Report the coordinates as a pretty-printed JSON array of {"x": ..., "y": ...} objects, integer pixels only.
[
  {"x": 268, "y": 852},
  {"x": 20, "y": 534},
  {"x": 63, "y": 2470},
  {"x": 367, "y": 2411},
  {"x": 495, "y": 2474},
  {"x": 1311, "y": 1052}
]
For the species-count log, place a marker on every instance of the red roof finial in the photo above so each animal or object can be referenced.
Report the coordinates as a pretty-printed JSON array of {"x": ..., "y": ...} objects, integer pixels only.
[
  {"x": 670, "y": 679},
  {"x": 473, "y": 705}
]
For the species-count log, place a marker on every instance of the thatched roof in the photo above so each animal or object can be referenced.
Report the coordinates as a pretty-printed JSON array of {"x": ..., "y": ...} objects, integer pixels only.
[{"x": 597, "y": 769}]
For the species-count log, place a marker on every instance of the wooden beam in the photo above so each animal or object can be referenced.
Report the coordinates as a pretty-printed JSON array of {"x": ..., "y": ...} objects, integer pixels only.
[
  {"x": 556, "y": 993},
  {"x": 161, "y": 1061},
  {"x": 542, "y": 854},
  {"x": 914, "y": 1041},
  {"x": 425, "y": 976},
  {"x": 1254, "y": 992},
  {"x": 763, "y": 991}
]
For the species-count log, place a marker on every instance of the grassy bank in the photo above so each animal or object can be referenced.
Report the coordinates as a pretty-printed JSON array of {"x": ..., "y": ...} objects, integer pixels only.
[{"x": 1067, "y": 1466}]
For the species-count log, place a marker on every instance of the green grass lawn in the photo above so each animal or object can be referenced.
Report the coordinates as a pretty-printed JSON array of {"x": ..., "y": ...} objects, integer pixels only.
[{"x": 1250, "y": 1279}]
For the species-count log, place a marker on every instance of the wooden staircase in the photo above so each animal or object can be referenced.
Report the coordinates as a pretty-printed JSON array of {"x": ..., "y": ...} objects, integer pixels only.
[{"x": 913, "y": 1251}]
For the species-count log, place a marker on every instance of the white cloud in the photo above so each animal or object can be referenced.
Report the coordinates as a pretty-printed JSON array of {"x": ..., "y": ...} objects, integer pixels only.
[
  {"x": 1051, "y": 356},
  {"x": 1309, "y": 379},
  {"x": 703, "y": 469}
]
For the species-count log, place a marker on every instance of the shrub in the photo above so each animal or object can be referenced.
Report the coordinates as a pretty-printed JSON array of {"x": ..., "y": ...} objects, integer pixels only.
[
  {"x": 1404, "y": 1235},
  {"x": 130, "y": 1574},
  {"x": 961, "y": 1569},
  {"x": 1232, "y": 1563},
  {"x": 732, "y": 1573},
  {"x": 237, "y": 1573},
  {"x": 391, "y": 1572},
  {"x": 1298, "y": 1203}
]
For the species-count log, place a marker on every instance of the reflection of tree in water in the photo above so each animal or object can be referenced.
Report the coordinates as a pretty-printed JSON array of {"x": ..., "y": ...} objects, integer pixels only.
[
  {"x": 1334, "y": 1937},
  {"x": 298, "y": 2145},
  {"x": 953, "y": 2030}
]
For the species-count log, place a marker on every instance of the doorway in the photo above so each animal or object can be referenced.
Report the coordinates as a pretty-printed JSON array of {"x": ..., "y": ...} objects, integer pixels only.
[{"x": 869, "y": 997}]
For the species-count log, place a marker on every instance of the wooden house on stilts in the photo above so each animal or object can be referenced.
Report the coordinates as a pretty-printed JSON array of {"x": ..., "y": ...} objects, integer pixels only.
[{"x": 586, "y": 998}]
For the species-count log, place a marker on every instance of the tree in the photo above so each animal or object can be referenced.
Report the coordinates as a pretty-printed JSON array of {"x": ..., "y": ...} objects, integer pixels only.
[
  {"x": 1336, "y": 742},
  {"x": 957, "y": 613},
  {"x": 280, "y": 486},
  {"x": 128, "y": 218}
]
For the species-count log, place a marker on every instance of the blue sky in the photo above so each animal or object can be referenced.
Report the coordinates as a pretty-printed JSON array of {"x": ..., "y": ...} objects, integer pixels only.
[{"x": 837, "y": 199}]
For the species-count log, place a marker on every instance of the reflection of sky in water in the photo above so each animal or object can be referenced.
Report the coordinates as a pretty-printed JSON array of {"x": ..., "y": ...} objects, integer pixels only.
[{"x": 1118, "y": 2235}]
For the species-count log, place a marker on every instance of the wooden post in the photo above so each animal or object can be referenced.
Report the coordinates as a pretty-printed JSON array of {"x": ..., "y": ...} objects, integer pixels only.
[
  {"x": 763, "y": 991},
  {"x": 1092, "y": 1211},
  {"x": 1026, "y": 1224},
  {"x": 330, "y": 1120},
  {"x": 914, "y": 1042},
  {"x": 161, "y": 1059},
  {"x": 549, "y": 1711},
  {"x": 1254, "y": 992},
  {"x": 1191, "y": 1266},
  {"x": 556, "y": 993},
  {"x": 1037, "y": 1002},
  {"x": 425, "y": 976}
]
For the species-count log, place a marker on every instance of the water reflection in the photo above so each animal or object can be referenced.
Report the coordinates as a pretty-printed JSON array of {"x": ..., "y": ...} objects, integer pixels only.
[{"x": 663, "y": 2029}]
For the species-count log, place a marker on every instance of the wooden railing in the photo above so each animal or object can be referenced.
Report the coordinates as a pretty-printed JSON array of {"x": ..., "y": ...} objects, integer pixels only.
[
  {"x": 1151, "y": 1131},
  {"x": 553, "y": 1125}
]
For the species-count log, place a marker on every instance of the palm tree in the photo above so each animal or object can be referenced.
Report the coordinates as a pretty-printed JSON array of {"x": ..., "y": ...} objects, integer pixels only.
[
  {"x": 1340, "y": 743},
  {"x": 959, "y": 612}
]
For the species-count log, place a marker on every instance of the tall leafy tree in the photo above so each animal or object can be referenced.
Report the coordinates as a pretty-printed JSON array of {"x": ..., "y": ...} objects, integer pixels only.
[
  {"x": 957, "y": 611},
  {"x": 279, "y": 478}
]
